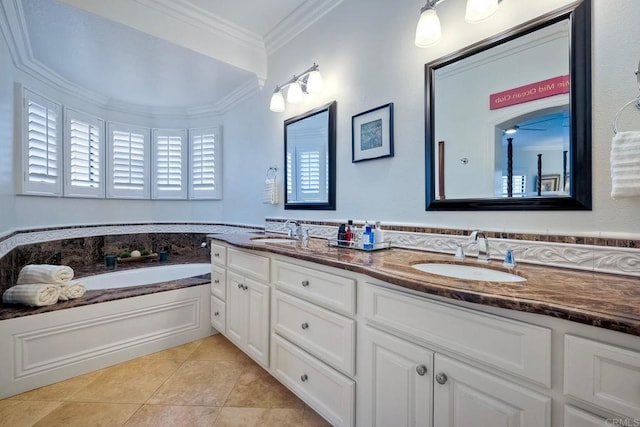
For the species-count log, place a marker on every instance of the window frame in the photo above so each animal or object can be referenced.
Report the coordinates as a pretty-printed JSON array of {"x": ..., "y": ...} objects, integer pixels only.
[{"x": 78, "y": 191}]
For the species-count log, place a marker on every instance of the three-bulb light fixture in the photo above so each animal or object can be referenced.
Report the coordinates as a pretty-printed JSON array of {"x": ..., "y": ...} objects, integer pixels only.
[
  {"x": 309, "y": 81},
  {"x": 428, "y": 31}
]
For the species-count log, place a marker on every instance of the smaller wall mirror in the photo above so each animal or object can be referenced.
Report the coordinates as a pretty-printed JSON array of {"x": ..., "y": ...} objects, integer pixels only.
[{"x": 310, "y": 159}]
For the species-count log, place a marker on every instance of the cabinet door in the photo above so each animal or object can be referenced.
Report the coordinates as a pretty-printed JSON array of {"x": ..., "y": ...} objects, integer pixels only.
[
  {"x": 257, "y": 319},
  {"x": 236, "y": 313},
  {"x": 467, "y": 396},
  {"x": 395, "y": 381}
]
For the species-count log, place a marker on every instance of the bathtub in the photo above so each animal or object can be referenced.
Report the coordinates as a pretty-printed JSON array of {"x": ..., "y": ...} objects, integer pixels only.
[
  {"x": 144, "y": 276},
  {"x": 45, "y": 348}
]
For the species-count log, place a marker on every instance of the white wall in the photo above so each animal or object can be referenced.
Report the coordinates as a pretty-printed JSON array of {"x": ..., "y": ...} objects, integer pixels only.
[
  {"x": 367, "y": 57},
  {"x": 7, "y": 204}
]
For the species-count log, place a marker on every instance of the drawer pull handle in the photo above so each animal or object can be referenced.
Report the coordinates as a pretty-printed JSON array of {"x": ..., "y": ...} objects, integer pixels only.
[
  {"x": 441, "y": 378},
  {"x": 216, "y": 254},
  {"x": 304, "y": 378},
  {"x": 239, "y": 285},
  {"x": 216, "y": 281},
  {"x": 217, "y": 313},
  {"x": 305, "y": 283},
  {"x": 305, "y": 325},
  {"x": 421, "y": 370}
]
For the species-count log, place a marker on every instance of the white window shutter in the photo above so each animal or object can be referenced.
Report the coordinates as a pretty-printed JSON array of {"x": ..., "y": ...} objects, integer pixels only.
[
  {"x": 42, "y": 151},
  {"x": 84, "y": 155},
  {"x": 128, "y": 160},
  {"x": 310, "y": 185},
  {"x": 205, "y": 165},
  {"x": 169, "y": 177}
]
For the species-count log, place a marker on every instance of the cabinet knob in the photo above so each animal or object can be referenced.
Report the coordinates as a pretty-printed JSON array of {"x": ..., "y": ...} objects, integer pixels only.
[
  {"x": 441, "y": 378},
  {"x": 305, "y": 283},
  {"x": 216, "y": 254},
  {"x": 305, "y": 325},
  {"x": 216, "y": 281},
  {"x": 421, "y": 370},
  {"x": 304, "y": 378},
  {"x": 239, "y": 285},
  {"x": 217, "y": 313}
]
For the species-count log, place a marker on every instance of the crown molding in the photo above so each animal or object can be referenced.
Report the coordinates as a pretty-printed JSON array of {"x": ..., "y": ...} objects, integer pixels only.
[
  {"x": 299, "y": 20},
  {"x": 240, "y": 94}
]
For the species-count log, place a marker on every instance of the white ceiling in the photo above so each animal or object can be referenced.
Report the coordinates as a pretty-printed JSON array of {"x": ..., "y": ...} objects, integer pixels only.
[{"x": 158, "y": 53}]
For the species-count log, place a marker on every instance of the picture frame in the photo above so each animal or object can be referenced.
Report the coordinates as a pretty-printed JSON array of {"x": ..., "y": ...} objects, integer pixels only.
[
  {"x": 550, "y": 182},
  {"x": 372, "y": 134}
]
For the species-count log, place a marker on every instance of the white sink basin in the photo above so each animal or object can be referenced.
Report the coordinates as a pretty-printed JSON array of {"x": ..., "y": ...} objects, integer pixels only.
[
  {"x": 273, "y": 240},
  {"x": 468, "y": 272}
]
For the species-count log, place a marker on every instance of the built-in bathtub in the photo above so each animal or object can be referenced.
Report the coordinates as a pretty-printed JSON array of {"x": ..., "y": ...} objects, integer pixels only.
[
  {"x": 144, "y": 276},
  {"x": 45, "y": 348}
]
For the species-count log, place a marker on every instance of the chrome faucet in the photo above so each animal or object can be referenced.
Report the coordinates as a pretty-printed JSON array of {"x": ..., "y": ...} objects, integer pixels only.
[
  {"x": 294, "y": 230},
  {"x": 484, "y": 253}
]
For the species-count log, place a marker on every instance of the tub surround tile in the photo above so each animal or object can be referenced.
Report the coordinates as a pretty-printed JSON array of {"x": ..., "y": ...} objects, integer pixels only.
[
  {"x": 77, "y": 414},
  {"x": 602, "y": 300}
]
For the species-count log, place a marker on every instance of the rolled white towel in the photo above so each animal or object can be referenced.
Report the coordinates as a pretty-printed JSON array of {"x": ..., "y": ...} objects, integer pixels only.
[
  {"x": 33, "y": 294},
  {"x": 45, "y": 273},
  {"x": 71, "y": 290}
]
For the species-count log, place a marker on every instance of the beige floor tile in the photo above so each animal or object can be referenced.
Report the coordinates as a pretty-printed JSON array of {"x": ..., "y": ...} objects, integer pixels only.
[
  {"x": 181, "y": 352},
  {"x": 77, "y": 414},
  {"x": 256, "y": 388},
  {"x": 249, "y": 417},
  {"x": 198, "y": 382},
  {"x": 310, "y": 418},
  {"x": 130, "y": 382},
  {"x": 217, "y": 347},
  {"x": 173, "y": 416},
  {"x": 61, "y": 390},
  {"x": 18, "y": 413}
]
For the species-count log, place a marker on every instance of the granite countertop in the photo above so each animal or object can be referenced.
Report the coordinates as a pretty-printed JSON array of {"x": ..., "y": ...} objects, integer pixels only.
[
  {"x": 602, "y": 300},
  {"x": 10, "y": 311}
]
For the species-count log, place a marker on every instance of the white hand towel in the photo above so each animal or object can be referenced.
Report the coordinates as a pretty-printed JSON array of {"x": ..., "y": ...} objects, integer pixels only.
[
  {"x": 71, "y": 290},
  {"x": 45, "y": 274},
  {"x": 625, "y": 165},
  {"x": 33, "y": 294},
  {"x": 270, "y": 194}
]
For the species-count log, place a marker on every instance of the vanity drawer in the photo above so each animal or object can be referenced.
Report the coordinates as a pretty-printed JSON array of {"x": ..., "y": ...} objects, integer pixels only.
[
  {"x": 331, "y": 291},
  {"x": 331, "y": 394},
  {"x": 511, "y": 346},
  {"x": 218, "y": 254},
  {"x": 218, "y": 315},
  {"x": 218, "y": 280},
  {"x": 326, "y": 335},
  {"x": 603, "y": 375},
  {"x": 245, "y": 263}
]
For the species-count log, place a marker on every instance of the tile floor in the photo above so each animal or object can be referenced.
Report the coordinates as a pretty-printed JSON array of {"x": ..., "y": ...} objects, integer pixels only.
[{"x": 208, "y": 382}]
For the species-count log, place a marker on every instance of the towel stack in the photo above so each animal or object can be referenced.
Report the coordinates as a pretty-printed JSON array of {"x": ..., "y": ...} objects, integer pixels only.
[
  {"x": 270, "y": 194},
  {"x": 625, "y": 165},
  {"x": 40, "y": 285}
]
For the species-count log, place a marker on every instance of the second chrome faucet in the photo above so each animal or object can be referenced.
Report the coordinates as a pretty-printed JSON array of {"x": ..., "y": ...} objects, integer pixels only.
[{"x": 479, "y": 238}]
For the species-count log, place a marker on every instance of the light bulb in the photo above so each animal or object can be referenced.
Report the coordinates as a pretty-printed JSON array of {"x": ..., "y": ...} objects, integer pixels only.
[
  {"x": 479, "y": 10},
  {"x": 314, "y": 82},
  {"x": 428, "y": 31},
  {"x": 294, "y": 93},
  {"x": 277, "y": 101}
]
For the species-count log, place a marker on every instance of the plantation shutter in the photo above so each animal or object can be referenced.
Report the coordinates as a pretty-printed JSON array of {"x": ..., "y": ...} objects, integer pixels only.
[
  {"x": 310, "y": 161},
  {"x": 519, "y": 185},
  {"x": 128, "y": 162},
  {"x": 84, "y": 154},
  {"x": 170, "y": 164},
  {"x": 205, "y": 165},
  {"x": 42, "y": 155}
]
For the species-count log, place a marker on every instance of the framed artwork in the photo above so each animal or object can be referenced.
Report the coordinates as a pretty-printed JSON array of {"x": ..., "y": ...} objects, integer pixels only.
[
  {"x": 550, "y": 182},
  {"x": 372, "y": 134}
]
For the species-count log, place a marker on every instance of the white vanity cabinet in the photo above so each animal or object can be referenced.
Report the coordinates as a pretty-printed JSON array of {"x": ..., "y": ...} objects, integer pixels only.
[
  {"x": 313, "y": 338},
  {"x": 247, "y": 303},
  {"x": 218, "y": 287}
]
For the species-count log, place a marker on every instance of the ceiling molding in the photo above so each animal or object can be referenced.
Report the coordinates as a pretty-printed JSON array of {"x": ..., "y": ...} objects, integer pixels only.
[
  {"x": 184, "y": 24},
  {"x": 242, "y": 93},
  {"x": 299, "y": 20}
]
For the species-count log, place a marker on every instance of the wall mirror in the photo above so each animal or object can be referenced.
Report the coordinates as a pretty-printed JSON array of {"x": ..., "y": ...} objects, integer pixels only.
[
  {"x": 508, "y": 120},
  {"x": 310, "y": 159}
]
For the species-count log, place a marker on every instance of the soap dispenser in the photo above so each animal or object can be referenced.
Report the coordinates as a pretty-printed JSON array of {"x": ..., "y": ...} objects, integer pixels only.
[{"x": 509, "y": 260}]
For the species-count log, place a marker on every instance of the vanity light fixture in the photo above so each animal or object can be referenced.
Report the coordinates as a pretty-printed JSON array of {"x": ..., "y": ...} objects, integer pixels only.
[
  {"x": 428, "y": 31},
  {"x": 309, "y": 81}
]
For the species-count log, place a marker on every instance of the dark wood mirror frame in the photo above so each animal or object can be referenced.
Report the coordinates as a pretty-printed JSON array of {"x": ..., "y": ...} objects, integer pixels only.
[
  {"x": 330, "y": 204},
  {"x": 579, "y": 16}
]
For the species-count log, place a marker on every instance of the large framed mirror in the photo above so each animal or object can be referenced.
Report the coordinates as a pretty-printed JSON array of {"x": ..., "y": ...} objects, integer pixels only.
[
  {"x": 508, "y": 120},
  {"x": 310, "y": 159}
]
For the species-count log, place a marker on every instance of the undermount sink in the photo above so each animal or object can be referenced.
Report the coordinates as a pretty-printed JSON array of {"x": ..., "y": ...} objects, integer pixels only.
[
  {"x": 468, "y": 272},
  {"x": 273, "y": 240}
]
